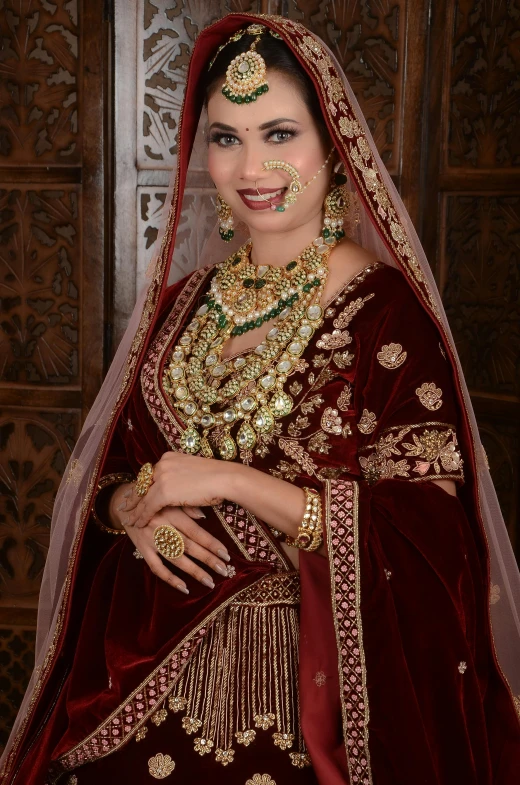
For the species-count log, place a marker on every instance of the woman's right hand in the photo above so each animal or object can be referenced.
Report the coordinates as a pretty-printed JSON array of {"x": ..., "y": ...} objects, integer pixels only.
[{"x": 198, "y": 544}]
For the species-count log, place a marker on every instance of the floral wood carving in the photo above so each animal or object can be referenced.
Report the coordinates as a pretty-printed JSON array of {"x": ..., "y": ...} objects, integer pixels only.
[
  {"x": 34, "y": 450},
  {"x": 484, "y": 89},
  {"x": 39, "y": 285},
  {"x": 16, "y": 664},
  {"x": 39, "y": 82}
]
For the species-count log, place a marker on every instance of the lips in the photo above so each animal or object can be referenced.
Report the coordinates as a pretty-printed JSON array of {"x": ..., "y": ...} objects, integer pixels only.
[{"x": 263, "y": 198}]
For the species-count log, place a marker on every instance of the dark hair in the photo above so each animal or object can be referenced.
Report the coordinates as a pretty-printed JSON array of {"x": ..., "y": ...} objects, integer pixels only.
[{"x": 277, "y": 57}]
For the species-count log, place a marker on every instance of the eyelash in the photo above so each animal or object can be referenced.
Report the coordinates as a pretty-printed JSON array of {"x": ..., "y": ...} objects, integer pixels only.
[{"x": 217, "y": 137}]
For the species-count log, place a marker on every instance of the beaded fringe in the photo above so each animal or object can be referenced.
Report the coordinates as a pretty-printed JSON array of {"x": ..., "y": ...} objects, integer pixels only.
[{"x": 243, "y": 677}]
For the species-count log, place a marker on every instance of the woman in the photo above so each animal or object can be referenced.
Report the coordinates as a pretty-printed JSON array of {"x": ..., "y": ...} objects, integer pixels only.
[{"x": 300, "y": 592}]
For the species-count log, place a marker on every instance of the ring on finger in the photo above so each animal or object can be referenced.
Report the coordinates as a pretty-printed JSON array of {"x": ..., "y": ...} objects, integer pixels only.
[
  {"x": 169, "y": 542},
  {"x": 144, "y": 479}
]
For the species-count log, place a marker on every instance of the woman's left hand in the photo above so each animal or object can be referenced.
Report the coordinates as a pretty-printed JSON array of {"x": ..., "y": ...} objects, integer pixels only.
[{"x": 179, "y": 480}]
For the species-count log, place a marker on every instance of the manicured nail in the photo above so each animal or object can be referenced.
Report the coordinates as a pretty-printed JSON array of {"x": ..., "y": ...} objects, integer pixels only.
[
  {"x": 221, "y": 570},
  {"x": 208, "y": 582},
  {"x": 121, "y": 507},
  {"x": 127, "y": 493},
  {"x": 183, "y": 589},
  {"x": 198, "y": 514},
  {"x": 224, "y": 555}
]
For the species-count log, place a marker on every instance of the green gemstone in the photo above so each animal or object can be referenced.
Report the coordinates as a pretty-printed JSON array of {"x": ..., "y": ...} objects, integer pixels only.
[
  {"x": 222, "y": 321},
  {"x": 247, "y": 283},
  {"x": 266, "y": 317},
  {"x": 259, "y": 322},
  {"x": 218, "y": 308},
  {"x": 280, "y": 208},
  {"x": 210, "y": 304},
  {"x": 291, "y": 265},
  {"x": 307, "y": 287},
  {"x": 236, "y": 261},
  {"x": 273, "y": 312},
  {"x": 235, "y": 330},
  {"x": 326, "y": 232},
  {"x": 316, "y": 282},
  {"x": 260, "y": 283},
  {"x": 250, "y": 325},
  {"x": 239, "y": 99},
  {"x": 253, "y": 97},
  {"x": 282, "y": 303},
  {"x": 340, "y": 179},
  {"x": 247, "y": 99},
  {"x": 339, "y": 234}
]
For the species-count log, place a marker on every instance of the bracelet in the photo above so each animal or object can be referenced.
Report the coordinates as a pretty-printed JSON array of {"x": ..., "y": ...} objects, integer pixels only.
[
  {"x": 109, "y": 479},
  {"x": 310, "y": 534}
]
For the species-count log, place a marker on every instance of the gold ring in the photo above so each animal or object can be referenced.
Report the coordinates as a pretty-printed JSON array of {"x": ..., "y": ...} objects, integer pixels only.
[
  {"x": 169, "y": 542},
  {"x": 144, "y": 479}
]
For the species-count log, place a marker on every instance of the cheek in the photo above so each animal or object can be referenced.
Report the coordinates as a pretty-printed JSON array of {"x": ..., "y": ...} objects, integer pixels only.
[{"x": 221, "y": 165}]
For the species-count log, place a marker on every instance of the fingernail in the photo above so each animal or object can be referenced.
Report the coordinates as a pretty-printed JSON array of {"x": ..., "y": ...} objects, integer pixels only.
[
  {"x": 221, "y": 570},
  {"x": 224, "y": 555},
  {"x": 208, "y": 582},
  {"x": 199, "y": 514},
  {"x": 125, "y": 521},
  {"x": 183, "y": 589},
  {"x": 121, "y": 507},
  {"x": 127, "y": 494}
]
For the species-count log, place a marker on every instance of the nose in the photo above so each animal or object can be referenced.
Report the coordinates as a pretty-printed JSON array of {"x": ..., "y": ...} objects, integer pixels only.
[{"x": 251, "y": 168}]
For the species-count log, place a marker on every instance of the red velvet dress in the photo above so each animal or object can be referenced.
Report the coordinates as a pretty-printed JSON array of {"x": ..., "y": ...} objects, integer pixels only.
[{"x": 397, "y": 682}]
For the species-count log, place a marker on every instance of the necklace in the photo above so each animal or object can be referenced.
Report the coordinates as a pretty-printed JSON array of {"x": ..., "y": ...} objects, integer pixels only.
[{"x": 213, "y": 395}]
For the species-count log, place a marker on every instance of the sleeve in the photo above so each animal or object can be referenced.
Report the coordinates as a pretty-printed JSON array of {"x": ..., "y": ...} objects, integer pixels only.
[{"x": 405, "y": 399}]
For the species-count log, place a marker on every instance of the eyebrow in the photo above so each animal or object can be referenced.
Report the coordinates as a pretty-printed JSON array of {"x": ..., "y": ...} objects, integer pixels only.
[{"x": 263, "y": 127}]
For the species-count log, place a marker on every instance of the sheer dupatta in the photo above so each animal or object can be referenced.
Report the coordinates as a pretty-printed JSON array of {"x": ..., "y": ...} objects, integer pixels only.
[{"x": 386, "y": 229}]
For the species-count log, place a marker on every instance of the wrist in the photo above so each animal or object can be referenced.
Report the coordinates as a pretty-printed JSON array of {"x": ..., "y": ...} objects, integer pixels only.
[{"x": 233, "y": 482}]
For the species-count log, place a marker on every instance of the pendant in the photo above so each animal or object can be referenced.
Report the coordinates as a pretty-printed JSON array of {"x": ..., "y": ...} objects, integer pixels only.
[
  {"x": 205, "y": 448},
  {"x": 281, "y": 404},
  {"x": 246, "y": 437},
  {"x": 190, "y": 441},
  {"x": 263, "y": 420},
  {"x": 227, "y": 448}
]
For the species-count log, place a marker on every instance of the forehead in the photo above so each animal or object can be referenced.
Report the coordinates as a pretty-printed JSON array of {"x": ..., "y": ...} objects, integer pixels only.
[{"x": 284, "y": 99}]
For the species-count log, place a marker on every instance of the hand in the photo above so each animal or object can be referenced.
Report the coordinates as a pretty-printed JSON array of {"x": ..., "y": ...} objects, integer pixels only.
[
  {"x": 198, "y": 544},
  {"x": 179, "y": 481}
]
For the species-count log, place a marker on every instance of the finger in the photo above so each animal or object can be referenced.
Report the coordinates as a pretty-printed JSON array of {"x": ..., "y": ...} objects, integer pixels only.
[
  {"x": 147, "y": 507},
  {"x": 190, "y": 568},
  {"x": 200, "y": 536},
  {"x": 195, "y": 551},
  {"x": 162, "y": 572},
  {"x": 130, "y": 500},
  {"x": 193, "y": 512}
]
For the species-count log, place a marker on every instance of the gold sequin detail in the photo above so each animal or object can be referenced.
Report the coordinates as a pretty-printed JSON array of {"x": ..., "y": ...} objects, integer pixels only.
[
  {"x": 160, "y": 766},
  {"x": 368, "y": 422},
  {"x": 331, "y": 421},
  {"x": 430, "y": 396},
  {"x": 260, "y": 779},
  {"x": 391, "y": 356},
  {"x": 159, "y": 717},
  {"x": 141, "y": 733}
]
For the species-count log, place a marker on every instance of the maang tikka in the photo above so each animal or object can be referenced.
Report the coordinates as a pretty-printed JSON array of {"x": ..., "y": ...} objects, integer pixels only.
[{"x": 246, "y": 75}]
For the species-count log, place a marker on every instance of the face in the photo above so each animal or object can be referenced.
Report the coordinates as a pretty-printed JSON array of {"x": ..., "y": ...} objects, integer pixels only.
[{"x": 278, "y": 126}]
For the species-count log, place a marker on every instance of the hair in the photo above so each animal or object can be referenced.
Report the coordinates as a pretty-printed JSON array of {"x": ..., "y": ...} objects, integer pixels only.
[{"x": 277, "y": 57}]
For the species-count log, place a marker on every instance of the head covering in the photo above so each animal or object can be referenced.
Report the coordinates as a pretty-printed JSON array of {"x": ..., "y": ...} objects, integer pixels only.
[{"x": 384, "y": 228}]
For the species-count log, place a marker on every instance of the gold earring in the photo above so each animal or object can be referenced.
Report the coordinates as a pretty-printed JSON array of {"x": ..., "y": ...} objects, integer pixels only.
[
  {"x": 225, "y": 219},
  {"x": 340, "y": 206}
]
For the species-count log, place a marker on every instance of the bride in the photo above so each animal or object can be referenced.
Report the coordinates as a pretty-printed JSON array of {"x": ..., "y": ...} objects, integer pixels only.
[{"x": 270, "y": 560}]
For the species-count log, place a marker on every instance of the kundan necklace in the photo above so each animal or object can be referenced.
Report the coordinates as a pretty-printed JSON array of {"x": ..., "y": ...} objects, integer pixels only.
[{"x": 212, "y": 395}]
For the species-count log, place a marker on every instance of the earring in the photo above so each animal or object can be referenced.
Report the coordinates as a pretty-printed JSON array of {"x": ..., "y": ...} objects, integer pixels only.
[
  {"x": 225, "y": 219},
  {"x": 339, "y": 204}
]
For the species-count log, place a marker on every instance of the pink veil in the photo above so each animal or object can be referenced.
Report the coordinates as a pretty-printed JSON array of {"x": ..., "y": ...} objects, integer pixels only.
[{"x": 75, "y": 493}]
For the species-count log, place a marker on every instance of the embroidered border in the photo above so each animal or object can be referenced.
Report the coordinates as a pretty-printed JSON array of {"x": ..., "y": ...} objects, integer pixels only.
[{"x": 341, "y": 516}]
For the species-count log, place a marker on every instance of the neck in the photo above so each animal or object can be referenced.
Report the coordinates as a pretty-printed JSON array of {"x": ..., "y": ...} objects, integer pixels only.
[{"x": 278, "y": 248}]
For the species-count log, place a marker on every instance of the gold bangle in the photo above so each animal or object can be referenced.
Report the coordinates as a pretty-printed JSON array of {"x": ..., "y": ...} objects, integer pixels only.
[
  {"x": 310, "y": 534},
  {"x": 109, "y": 479}
]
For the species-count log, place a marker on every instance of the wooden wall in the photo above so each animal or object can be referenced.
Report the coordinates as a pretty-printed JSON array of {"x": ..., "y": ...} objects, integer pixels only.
[{"x": 438, "y": 84}]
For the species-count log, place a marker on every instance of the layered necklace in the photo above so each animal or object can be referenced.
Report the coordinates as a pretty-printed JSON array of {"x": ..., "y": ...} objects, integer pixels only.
[{"x": 213, "y": 395}]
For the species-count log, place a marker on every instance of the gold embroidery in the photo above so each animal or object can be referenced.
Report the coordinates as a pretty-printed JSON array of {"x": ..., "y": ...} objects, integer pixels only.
[
  {"x": 161, "y": 766},
  {"x": 191, "y": 724},
  {"x": 368, "y": 422},
  {"x": 283, "y": 740},
  {"x": 336, "y": 340},
  {"x": 177, "y": 703},
  {"x": 325, "y": 376},
  {"x": 260, "y": 779},
  {"x": 246, "y": 737},
  {"x": 331, "y": 421},
  {"x": 72, "y": 780},
  {"x": 295, "y": 428},
  {"x": 141, "y": 733},
  {"x": 319, "y": 361},
  {"x": 462, "y": 667},
  {"x": 494, "y": 595},
  {"x": 343, "y": 359},
  {"x": 392, "y": 356},
  {"x": 286, "y": 471},
  {"x": 231, "y": 571},
  {"x": 320, "y": 679},
  {"x": 295, "y": 388},
  {"x": 294, "y": 450},
  {"x": 350, "y": 311},
  {"x": 430, "y": 396},
  {"x": 345, "y": 398},
  {"x": 224, "y": 756},
  {"x": 202, "y": 745},
  {"x": 264, "y": 721},
  {"x": 319, "y": 443},
  {"x": 159, "y": 717},
  {"x": 300, "y": 759},
  {"x": 516, "y": 701},
  {"x": 308, "y": 406},
  {"x": 436, "y": 448},
  {"x": 75, "y": 473}
]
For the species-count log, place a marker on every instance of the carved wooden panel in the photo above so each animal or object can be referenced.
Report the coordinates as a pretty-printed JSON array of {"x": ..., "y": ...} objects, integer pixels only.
[
  {"x": 483, "y": 89},
  {"x": 39, "y": 65},
  {"x": 16, "y": 664},
  {"x": 501, "y": 440},
  {"x": 40, "y": 284},
  {"x": 34, "y": 450},
  {"x": 482, "y": 283},
  {"x": 367, "y": 37}
]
